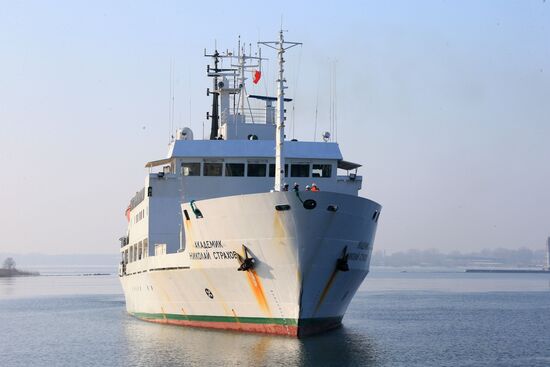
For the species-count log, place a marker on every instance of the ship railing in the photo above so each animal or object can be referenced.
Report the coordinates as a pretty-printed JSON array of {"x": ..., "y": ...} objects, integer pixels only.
[
  {"x": 349, "y": 177},
  {"x": 124, "y": 241},
  {"x": 137, "y": 199},
  {"x": 179, "y": 260},
  {"x": 251, "y": 114}
]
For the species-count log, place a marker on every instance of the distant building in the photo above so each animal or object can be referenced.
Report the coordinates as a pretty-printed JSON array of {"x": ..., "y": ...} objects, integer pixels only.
[{"x": 548, "y": 254}]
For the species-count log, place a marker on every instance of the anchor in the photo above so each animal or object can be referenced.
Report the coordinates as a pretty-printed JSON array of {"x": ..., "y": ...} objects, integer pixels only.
[
  {"x": 247, "y": 263},
  {"x": 342, "y": 262}
]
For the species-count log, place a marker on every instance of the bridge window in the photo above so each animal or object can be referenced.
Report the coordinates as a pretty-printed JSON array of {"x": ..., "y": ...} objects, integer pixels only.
[
  {"x": 272, "y": 170},
  {"x": 213, "y": 169},
  {"x": 299, "y": 170},
  {"x": 234, "y": 169},
  {"x": 256, "y": 170},
  {"x": 191, "y": 169},
  {"x": 321, "y": 170}
]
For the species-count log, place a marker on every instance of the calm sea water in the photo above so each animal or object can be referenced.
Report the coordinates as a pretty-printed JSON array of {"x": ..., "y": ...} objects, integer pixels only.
[{"x": 396, "y": 319}]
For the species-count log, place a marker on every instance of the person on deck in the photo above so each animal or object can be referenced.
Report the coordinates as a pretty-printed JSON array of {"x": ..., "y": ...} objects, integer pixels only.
[{"x": 314, "y": 187}]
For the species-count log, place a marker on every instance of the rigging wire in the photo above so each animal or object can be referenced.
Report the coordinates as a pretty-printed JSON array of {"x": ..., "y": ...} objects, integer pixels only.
[
  {"x": 294, "y": 94},
  {"x": 170, "y": 68},
  {"x": 173, "y": 94},
  {"x": 330, "y": 102},
  {"x": 169, "y": 89},
  {"x": 190, "y": 104},
  {"x": 335, "y": 101},
  {"x": 316, "y": 109}
]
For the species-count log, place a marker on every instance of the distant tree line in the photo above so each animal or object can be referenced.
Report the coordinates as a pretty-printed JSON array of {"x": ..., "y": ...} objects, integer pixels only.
[
  {"x": 8, "y": 269},
  {"x": 9, "y": 264},
  {"x": 522, "y": 257}
]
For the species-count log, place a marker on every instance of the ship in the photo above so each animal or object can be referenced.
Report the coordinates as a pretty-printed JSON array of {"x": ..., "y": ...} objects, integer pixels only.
[{"x": 247, "y": 230}]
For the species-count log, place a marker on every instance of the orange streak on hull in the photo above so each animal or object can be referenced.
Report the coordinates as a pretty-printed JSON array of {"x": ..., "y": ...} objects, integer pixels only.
[
  {"x": 258, "y": 290},
  {"x": 326, "y": 289}
]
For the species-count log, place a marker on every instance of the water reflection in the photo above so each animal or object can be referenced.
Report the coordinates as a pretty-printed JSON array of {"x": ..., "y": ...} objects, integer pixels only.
[
  {"x": 151, "y": 344},
  {"x": 52, "y": 321},
  {"x": 7, "y": 286},
  {"x": 342, "y": 347}
]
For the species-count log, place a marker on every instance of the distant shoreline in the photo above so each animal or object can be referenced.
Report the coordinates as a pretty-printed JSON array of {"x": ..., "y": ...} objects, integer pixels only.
[
  {"x": 507, "y": 271},
  {"x": 8, "y": 273}
]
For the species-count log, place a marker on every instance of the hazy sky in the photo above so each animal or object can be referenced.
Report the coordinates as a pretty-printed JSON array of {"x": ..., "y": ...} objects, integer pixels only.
[{"x": 446, "y": 103}]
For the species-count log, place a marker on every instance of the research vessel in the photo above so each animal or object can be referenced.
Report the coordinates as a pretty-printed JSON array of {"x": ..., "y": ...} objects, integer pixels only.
[{"x": 247, "y": 230}]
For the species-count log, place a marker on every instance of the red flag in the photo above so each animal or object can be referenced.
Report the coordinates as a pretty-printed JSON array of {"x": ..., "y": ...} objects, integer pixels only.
[
  {"x": 128, "y": 213},
  {"x": 257, "y": 76}
]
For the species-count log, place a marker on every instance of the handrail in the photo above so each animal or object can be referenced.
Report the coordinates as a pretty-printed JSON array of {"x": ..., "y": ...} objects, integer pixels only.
[{"x": 137, "y": 199}]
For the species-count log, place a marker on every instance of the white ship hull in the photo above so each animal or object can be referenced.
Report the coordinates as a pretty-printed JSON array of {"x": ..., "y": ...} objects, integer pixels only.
[{"x": 295, "y": 287}]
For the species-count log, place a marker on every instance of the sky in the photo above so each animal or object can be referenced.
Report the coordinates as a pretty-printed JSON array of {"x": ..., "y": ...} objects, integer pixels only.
[{"x": 445, "y": 103}]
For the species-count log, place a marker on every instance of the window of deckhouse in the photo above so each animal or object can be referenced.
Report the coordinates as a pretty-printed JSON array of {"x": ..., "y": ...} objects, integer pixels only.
[
  {"x": 299, "y": 170},
  {"x": 234, "y": 169},
  {"x": 213, "y": 169},
  {"x": 256, "y": 170},
  {"x": 321, "y": 170},
  {"x": 191, "y": 169},
  {"x": 272, "y": 170}
]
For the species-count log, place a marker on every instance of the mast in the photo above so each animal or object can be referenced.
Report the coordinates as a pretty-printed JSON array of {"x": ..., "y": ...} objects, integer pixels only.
[
  {"x": 280, "y": 134},
  {"x": 243, "y": 67},
  {"x": 215, "y": 114},
  {"x": 237, "y": 74},
  {"x": 242, "y": 79}
]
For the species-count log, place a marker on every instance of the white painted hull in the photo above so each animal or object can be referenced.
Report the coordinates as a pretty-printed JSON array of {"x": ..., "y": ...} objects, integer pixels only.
[{"x": 295, "y": 287}]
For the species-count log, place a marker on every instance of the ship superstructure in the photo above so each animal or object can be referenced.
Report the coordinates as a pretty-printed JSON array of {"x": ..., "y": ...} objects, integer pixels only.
[{"x": 224, "y": 235}]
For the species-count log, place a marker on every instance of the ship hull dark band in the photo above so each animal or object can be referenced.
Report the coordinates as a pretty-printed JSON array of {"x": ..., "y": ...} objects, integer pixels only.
[{"x": 275, "y": 326}]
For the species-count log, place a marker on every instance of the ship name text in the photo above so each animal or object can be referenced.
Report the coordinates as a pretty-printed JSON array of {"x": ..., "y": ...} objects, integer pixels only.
[
  {"x": 208, "y": 244},
  {"x": 205, "y": 254}
]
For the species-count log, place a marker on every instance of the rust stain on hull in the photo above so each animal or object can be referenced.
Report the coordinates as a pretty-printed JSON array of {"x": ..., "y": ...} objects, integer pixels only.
[
  {"x": 258, "y": 290},
  {"x": 183, "y": 312},
  {"x": 187, "y": 233},
  {"x": 237, "y": 322},
  {"x": 278, "y": 227},
  {"x": 326, "y": 289}
]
